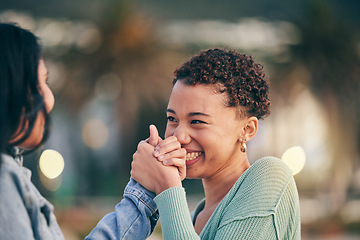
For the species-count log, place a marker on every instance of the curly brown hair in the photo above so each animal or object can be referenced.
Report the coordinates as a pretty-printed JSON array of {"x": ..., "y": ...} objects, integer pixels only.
[{"x": 234, "y": 73}]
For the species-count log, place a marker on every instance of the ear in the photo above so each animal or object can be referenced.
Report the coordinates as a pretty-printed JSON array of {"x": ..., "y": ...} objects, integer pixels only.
[{"x": 250, "y": 128}]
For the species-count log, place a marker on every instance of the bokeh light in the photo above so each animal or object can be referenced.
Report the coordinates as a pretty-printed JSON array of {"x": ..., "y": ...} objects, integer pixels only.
[
  {"x": 95, "y": 133},
  {"x": 51, "y": 163},
  {"x": 108, "y": 87},
  {"x": 295, "y": 158}
]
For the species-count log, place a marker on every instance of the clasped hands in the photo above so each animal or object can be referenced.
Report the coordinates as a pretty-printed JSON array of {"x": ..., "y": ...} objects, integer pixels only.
[{"x": 159, "y": 164}]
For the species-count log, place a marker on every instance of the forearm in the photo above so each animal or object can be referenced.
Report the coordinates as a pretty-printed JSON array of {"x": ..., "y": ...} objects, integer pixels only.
[
  {"x": 175, "y": 216},
  {"x": 134, "y": 217}
]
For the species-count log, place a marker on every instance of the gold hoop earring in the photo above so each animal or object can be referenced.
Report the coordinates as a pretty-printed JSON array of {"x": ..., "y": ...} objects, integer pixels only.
[{"x": 243, "y": 146}]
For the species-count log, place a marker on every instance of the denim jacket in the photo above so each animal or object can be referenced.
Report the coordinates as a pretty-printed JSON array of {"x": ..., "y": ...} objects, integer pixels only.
[
  {"x": 135, "y": 217},
  {"x": 25, "y": 214}
]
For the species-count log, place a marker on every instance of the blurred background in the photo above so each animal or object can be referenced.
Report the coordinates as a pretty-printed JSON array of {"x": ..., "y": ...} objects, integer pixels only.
[{"x": 111, "y": 66}]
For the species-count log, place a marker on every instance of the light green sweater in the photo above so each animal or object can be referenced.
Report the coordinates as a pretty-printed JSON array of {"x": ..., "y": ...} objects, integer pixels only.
[{"x": 262, "y": 204}]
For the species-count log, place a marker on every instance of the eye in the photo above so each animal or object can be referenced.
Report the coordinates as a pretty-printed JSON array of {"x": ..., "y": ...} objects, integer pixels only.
[
  {"x": 197, "y": 122},
  {"x": 171, "y": 119}
]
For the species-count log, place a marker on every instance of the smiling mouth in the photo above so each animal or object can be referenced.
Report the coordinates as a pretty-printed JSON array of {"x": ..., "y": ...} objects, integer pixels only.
[{"x": 192, "y": 155}]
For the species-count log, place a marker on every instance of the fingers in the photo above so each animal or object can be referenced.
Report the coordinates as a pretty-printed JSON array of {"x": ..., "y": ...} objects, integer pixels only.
[
  {"x": 182, "y": 171},
  {"x": 151, "y": 173},
  {"x": 167, "y": 145},
  {"x": 175, "y": 158},
  {"x": 167, "y": 151},
  {"x": 153, "y": 140},
  {"x": 179, "y": 163},
  {"x": 179, "y": 153}
]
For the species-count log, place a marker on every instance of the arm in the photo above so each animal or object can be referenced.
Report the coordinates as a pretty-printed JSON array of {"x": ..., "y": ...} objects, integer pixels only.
[
  {"x": 162, "y": 171},
  {"x": 175, "y": 216},
  {"x": 135, "y": 217}
]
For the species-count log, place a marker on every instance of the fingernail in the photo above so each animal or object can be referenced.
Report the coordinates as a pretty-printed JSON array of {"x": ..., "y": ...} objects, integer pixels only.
[
  {"x": 156, "y": 153},
  {"x": 166, "y": 162},
  {"x": 161, "y": 157}
]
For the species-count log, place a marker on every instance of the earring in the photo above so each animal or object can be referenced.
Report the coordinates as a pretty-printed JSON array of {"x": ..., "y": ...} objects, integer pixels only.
[{"x": 243, "y": 146}]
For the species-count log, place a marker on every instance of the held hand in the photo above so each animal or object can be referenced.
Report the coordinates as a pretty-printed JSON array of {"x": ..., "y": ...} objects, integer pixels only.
[
  {"x": 150, "y": 172},
  {"x": 169, "y": 152},
  {"x": 154, "y": 138}
]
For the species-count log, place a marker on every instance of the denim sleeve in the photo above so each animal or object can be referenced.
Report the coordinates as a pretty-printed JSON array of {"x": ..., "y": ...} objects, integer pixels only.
[{"x": 135, "y": 217}]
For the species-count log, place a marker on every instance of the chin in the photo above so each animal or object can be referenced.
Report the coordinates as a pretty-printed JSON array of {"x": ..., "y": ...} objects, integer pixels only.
[
  {"x": 32, "y": 142},
  {"x": 29, "y": 146},
  {"x": 191, "y": 176}
]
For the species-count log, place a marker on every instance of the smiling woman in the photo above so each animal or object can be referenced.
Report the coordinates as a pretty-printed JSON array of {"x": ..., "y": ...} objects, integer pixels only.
[
  {"x": 198, "y": 124},
  {"x": 216, "y": 102}
]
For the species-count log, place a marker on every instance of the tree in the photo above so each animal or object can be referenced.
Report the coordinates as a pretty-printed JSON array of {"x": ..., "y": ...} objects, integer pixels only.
[{"x": 328, "y": 53}]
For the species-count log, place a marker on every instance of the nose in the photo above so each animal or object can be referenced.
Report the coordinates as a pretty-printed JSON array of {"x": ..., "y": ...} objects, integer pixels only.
[{"x": 182, "y": 135}]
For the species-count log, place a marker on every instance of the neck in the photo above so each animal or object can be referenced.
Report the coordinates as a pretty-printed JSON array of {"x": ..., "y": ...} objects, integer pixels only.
[{"x": 218, "y": 185}]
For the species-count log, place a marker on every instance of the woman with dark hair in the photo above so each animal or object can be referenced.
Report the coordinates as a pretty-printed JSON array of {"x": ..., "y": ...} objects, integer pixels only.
[
  {"x": 25, "y": 97},
  {"x": 25, "y": 102},
  {"x": 216, "y": 102}
]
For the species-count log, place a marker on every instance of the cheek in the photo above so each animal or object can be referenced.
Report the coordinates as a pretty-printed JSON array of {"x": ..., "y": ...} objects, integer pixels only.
[
  {"x": 49, "y": 100},
  {"x": 167, "y": 134},
  {"x": 169, "y": 131}
]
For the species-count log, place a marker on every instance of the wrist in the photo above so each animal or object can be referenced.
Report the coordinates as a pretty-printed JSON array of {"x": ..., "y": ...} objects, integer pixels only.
[{"x": 166, "y": 185}]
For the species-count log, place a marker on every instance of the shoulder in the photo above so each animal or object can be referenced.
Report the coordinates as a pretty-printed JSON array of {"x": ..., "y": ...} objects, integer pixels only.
[
  {"x": 9, "y": 169},
  {"x": 269, "y": 166},
  {"x": 264, "y": 172},
  {"x": 260, "y": 189},
  {"x": 268, "y": 175},
  {"x": 14, "y": 179},
  {"x": 12, "y": 188}
]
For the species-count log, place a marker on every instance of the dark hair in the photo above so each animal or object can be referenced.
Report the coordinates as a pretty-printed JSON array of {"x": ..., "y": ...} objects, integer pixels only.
[
  {"x": 20, "y": 98},
  {"x": 231, "y": 72}
]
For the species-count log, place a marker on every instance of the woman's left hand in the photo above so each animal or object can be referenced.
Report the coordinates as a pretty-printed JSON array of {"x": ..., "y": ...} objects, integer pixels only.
[
  {"x": 169, "y": 152},
  {"x": 152, "y": 173}
]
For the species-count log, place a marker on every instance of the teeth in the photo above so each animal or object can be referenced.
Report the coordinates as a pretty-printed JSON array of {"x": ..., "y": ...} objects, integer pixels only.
[{"x": 193, "y": 155}]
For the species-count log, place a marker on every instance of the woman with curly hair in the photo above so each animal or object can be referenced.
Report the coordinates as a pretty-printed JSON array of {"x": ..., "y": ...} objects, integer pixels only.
[{"x": 217, "y": 99}]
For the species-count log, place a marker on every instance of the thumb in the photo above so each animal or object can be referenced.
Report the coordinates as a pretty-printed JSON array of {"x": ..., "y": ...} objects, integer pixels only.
[{"x": 154, "y": 135}]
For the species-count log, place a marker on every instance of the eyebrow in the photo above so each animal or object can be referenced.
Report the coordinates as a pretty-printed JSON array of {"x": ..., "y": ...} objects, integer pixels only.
[{"x": 190, "y": 114}]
